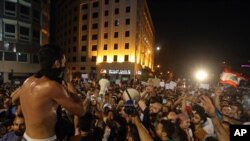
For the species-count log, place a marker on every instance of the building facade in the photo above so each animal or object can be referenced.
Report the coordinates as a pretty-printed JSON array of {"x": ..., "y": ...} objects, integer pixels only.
[
  {"x": 111, "y": 37},
  {"x": 23, "y": 29}
]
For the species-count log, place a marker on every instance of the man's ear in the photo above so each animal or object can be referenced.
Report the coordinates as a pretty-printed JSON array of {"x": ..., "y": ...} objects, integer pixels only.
[{"x": 57, "y": 64}]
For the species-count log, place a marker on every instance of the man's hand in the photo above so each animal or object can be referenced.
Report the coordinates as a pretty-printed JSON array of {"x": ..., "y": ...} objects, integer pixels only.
[
  {"x": 218, "y": 91},
  {"x": 208, "y": 106}
]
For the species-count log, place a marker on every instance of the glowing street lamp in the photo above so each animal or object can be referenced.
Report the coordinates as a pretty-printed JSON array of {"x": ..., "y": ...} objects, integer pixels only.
[
  {"x": 201, "y": 75},
  {"x": 158, "y": 48},
  {"x": 158, "y": 66}
]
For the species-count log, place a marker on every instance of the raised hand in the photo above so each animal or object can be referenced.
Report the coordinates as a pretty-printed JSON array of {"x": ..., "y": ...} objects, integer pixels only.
[{"x": 208, "y": 106}]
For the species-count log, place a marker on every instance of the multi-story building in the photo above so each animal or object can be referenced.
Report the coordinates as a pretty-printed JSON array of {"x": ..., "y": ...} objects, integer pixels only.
[
  {"x": 23, "y": 29},
  {"x": 113, "y": 37}
]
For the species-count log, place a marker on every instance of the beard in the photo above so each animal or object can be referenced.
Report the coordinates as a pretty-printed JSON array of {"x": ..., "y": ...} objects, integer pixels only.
[
  {"x": 55, "y": 74},
  {"x": 19, "y": 133}
]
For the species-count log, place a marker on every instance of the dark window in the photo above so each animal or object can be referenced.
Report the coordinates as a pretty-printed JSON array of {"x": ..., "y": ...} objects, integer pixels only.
[
  {"x": 84, "y": 37},
  {"x": 74, "y": 59},
  {"x": 24, "y": 31},
  {"x": 93, "y": 68},
  {"x": 127, "y": 21},
  {"x": 11, "y": 6},
  {"x": 74, "y": 49},
  {"x": 1, "y": 55},
  {"x": 106, "y": 24},
  {"x": 117, "y": 1},
  {"x": 116, "y": 23},
  {"x": 36, "y": 34},
  {"x": 116, "y": 35},
  {"x": 75, "y": 19},
  {"x": 24, "y": 10},
  {"x": 82, "y": 68},
  {"x": 84, "y": 17},
  {"x": 74, "y": 29},
  {"x": 115, "y": 46},
  {"x": 94, "y": 47},
  {"x": 22, "y": 57},
  {"x": 127, "y": 34},
  {"x": 75, "y": 8},
  {"x": 106, "y": 1},
  {"x": 93, "y": 59},
  {"x": 105, "y": 47},
  {"x": 95, "y": 15},
  {"x": 74, "y": 38},
  {"x": 10, "y": 56},
  {"x": 10, "y": 28},
  {"x": 104, "y": 58},
  {"x": 126, "y": 45},
  {"x": 94, "y": 26},
  {"x": 84, "y": 27},
  {"x": 115, "y": 58},
  {"x": 106, "y": 13},
  {"x": 36, "y": 15},
  {"x": 85, "y": 6},
  {"x": 68, "y": 50},
  {"x": 83, "y": 58},
  {"x": 127, "y": 9},
  {"x": 126, "y": 58},
  {"x": 116, "y": 10},
  {"x": 84, "y": 48},
  {"x": 95, "y": 4},
  {"x": 105, "y": 35},
  {"x": 94, "y": 37},
  {"x": 73, "y": 68}
]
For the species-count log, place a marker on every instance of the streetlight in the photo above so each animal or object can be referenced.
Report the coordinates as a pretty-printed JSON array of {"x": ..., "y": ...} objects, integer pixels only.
[
  {"x": 158, "y": 66},
  {"x": 201, "y": 75},
  {"x": 158, "y": 48}
]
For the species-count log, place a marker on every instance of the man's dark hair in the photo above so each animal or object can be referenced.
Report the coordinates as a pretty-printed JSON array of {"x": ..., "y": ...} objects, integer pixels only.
[
  {"x": 201, "y": 112},
  {"x": 168, "y": 127},
  {"x": 85, "y": 122},
  {"x": 48, "y": 54}
]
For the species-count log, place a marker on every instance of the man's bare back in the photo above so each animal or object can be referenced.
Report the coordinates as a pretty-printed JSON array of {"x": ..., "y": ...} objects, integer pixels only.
[{"x": 39, "y": 99}]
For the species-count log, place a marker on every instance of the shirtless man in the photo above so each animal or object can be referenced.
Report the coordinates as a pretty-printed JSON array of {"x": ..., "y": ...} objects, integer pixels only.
[{"x": 40, "y": 95}]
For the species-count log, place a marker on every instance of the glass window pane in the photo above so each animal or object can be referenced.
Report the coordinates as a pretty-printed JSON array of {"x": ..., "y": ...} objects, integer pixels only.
[{"x": 10, "y": 56}]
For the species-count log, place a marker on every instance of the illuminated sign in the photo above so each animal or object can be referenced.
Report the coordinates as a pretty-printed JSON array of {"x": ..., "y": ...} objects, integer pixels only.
[
  {"x": 128, "y": 72},
  {"x": 113, "y": 71}
]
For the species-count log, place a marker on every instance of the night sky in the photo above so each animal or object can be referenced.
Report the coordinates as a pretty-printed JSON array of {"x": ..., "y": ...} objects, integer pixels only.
[{"x": 195, "y": 33}]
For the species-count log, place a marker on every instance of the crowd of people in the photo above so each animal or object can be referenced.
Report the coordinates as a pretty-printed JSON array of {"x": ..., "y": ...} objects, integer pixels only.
[{"x": 49, "y": 110}]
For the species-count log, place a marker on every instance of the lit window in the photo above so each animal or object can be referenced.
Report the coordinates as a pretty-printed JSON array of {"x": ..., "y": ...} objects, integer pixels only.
[{"x": 116, "y": 23}]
